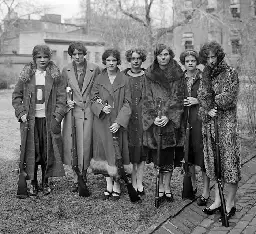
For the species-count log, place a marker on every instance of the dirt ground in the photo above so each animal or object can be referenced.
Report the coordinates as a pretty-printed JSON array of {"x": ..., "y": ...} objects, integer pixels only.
[{"x": 64, "y": 212}]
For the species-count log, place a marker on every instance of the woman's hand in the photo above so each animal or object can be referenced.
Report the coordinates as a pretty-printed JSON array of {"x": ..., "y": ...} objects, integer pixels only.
[
  {"x": 107, "y": 109},
  {"x": 71, "y": 104},
  {"x": 189, "y": 101},
  {"x": 24, "y": 118},
  {"x": 161, "y": 122},
  {"x": 114, "y": 127},
  {"x": 213, "y": 112}
]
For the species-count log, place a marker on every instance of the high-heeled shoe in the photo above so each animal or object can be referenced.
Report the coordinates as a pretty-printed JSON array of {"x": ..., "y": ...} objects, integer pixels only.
[
  {"x": 229, "y": 214},
  {"x": 209, "y": 211}
]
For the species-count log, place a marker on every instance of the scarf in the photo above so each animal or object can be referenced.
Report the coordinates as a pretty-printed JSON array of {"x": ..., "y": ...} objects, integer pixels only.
[{"x": 80, "y": 79}]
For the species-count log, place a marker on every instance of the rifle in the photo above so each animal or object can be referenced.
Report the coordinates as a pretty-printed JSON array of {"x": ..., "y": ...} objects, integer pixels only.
[
  {"x": 187, "y": 191},
  {"x": 22, "y": 191},
  {"x": 83, "y": 190},
  {"x": 224, "y": 218},
  {"x": 133, "y": 195},
  {"x": 159, "y": 147}
]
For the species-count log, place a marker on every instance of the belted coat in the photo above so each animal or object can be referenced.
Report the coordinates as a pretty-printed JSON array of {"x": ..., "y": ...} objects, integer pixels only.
[{"x": 119, "y": 97}]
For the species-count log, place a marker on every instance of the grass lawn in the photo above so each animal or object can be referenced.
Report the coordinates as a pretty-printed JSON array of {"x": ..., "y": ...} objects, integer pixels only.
[{"x": 65, "y": 212}]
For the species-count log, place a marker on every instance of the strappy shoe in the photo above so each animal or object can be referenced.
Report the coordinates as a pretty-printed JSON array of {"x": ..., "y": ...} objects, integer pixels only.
[
  {"x": 229, "y": 214},
  {"x": 106, "y": 195},
  {"x": 169, "y": 196},
  {"x": 115, "y": 195},
  {"x": 202, "y": 201},
  {"x": 210, "y": 211}
]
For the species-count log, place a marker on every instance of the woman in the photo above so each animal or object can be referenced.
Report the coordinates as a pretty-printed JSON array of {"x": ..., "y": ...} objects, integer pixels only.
[
  {"x": 136, "y": 80},
  {"x": 80, "y": 76},
  {"x": 110, "y": 97},
  {"x": 39, "y": 100},
  {"x": 164, "y": 88},
  {"x": 218, "y": 100},
  {"x": 190, "y": 59}
]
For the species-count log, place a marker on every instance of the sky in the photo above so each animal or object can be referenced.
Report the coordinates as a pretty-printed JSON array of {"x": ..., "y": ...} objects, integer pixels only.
[{"x": 66, "y": 8}]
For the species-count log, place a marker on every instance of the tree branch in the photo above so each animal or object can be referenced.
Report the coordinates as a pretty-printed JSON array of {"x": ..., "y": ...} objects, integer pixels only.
[{"x": 134, "y": 17}]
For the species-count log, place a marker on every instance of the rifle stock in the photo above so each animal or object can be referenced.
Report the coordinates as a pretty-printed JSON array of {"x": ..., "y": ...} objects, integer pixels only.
[
  {"x": 82, "y": 188},
  {"x": 22, "y": 184},
  {"x": 219, "y": 181}
]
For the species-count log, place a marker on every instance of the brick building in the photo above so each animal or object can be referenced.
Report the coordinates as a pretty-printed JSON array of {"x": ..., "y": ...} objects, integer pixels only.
[{"x": 223, "y": 22}]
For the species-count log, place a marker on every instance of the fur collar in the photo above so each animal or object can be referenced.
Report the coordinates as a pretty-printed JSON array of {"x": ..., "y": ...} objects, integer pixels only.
[{"x": 30, "y": 69}]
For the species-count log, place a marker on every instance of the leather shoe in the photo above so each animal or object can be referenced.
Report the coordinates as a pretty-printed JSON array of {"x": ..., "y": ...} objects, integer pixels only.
[
  {"x": 141, "y": 193},
  {"x": 229, "y": 214},
  {"x": 202, "y": 201},
  {"x": 209, "y": 211}
]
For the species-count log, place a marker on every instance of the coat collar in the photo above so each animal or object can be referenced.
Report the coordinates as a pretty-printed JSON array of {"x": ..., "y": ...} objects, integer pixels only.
[
  {"x": 118, "y": 82},
  {"x": 87, "y": 78}
]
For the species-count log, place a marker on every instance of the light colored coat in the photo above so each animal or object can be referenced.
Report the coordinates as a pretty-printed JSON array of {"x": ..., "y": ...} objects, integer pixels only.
[{"x": 83, "y": 116}]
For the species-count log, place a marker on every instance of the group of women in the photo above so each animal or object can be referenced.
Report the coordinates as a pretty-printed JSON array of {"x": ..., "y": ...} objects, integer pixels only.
[{"x": 131, "y": 107}]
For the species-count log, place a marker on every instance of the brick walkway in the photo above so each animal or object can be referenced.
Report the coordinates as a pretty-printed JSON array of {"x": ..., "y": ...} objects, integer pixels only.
[{"x": 191, "y": 219}]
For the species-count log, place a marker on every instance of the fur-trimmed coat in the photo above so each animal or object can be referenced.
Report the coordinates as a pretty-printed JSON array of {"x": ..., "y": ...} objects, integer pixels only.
[
  {"x": 23, "y": 101},
  {"x": 169, "y": 88},
  {"x": 119, "y": 97},
  {"x": 220, "y": 87}
]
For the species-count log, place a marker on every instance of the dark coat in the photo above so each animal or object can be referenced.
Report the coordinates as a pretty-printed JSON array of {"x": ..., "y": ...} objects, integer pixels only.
[
  {"x": 83, "y": 116},
  {"x": 119, "y": 97},
  {"x": 171, "y": 93},
  {"x": 23, "y": 101},
  {"x": 196, "y": 144}
]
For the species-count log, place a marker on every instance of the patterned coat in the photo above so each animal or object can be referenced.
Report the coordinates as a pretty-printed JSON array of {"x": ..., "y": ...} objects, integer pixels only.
[
  {"x": 83, "y": 116},
  {"x": 23, "y": 101},
  {"x": 219, "y": 89},
  {"x": 119, "y": 97}
]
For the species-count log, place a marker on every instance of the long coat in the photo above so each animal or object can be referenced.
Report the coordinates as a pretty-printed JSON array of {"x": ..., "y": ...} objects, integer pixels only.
[
  {"x": 83, "y": 116},
  {"x": 23, "y": 101},
  {"x": 196, "y": 142},
  {"x": 118, "y": 96},
  {"x": 220, "y": 89},
  {"x": 171, "y": 93}
]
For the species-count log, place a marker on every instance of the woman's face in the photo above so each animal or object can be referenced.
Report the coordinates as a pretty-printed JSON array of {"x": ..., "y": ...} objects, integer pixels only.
[
  {"x": 78, "y": 56},
  {"x": 163, "y": 58},
  {"x": 190, "y": 63},
  {"x": 42, "y": 61},
  {"x": 136, "y": 61},
  {"x": 211, "y": 59},
  {"x": 111, "y": 63}
]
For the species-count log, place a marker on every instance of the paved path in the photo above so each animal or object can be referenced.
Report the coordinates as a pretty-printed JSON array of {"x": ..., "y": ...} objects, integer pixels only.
[{"x": 191, "y": 219}]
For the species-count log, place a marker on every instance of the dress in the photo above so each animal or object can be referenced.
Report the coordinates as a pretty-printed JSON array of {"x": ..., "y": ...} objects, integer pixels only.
[
  {"x": 196, "y": 156},
  {"x": 135, "y": 129},
  {"x": 119, "y": 97},
  {"x": 220, "y": 87},
  {"x": 164, "y": 91}
]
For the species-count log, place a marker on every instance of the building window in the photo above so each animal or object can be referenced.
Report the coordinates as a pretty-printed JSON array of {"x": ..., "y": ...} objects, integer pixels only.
[
  {"x": 188, "y": 40},
  {"x": 97, "y": 57},
  {"x": 65, "y": 55},
  {"x": 54, "y": 54},
  {"x": 235, "y": 8},
  {"x": 211, "y": 6},
  {"x": 235, "y": 45},
  {"x": 254, "y": 7}
]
